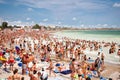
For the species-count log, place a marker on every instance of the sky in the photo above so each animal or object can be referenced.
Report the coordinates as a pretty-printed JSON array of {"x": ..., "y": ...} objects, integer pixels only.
[{"x": 73, "y": 13}]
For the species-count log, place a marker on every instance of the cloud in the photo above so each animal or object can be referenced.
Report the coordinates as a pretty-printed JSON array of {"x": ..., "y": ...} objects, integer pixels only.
[
  {"x": 45, "y": 20},
  {"x": 74, "y": 18},
  {"x": 20, "y": 23},
  {"x": 30, "y": 9},
  {"x": 28, "y": 19},
  {"x": 58, "y": 5},
  {"x": 116, "y": 5},
  {"x": 59, "y": 22}
]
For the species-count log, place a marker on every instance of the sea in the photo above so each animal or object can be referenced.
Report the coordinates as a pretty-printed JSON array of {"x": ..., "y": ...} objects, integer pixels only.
[{"x": 95, "y": 35}]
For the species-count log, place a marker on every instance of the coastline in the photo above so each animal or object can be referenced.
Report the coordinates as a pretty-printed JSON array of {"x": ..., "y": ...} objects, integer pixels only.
[
  {"x": 89, "y": 37},
  {"x": 60, "y": 35}
]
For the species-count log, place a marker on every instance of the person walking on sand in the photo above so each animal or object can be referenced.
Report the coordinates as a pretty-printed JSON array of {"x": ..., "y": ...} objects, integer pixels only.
[
  {"x": 118, "y": 53},
  {"x": 11, "y": 60},
  {"x": 50, "y": 68},
  {"x": 97, "y": 66},
  {"x": 102, "y": 59}
]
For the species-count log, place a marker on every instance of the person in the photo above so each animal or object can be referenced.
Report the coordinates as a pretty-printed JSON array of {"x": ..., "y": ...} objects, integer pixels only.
[
  {"x": 11, "y": 61},
  {"x": 118, "y": 53},
  {"x": 22, "y": 78},
  {"x": 72, "y": 65},
  {"x": 50, "y": 68},
  {"x": 102, "y": 59},
  {"x": 80, "y": 72},
  {"x": 97, "y": 66},
  {"x": 39, "y": 76},
  {"x": 74, "y": 75},
  {"x": 44, "y": 75},
  {"x": 98, "y": 54},
  {"x": 15, "y": 75},
  {"x": 33, "y": 76},
  {"x": 88, "y": 78}
]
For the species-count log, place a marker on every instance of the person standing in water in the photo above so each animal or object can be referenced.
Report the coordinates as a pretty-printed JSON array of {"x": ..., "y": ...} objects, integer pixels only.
[{"x": 102, "y": 60}]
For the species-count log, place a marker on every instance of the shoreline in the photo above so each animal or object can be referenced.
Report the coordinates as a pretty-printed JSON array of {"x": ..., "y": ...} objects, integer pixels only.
[
  {"x": 58, "y": 34},
  {"x": 89, "y": 37}
]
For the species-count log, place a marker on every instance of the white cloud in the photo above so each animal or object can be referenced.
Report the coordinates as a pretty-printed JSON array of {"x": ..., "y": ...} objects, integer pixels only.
[
  {"x": 59, "y": 22},
  {"x": 45, "y": 20},
  {"x": 74, "y": 18},
  {"x": 116, "y": 5},
  {"x": 105, "y": 25},
  {"x": 20, "y": 23},
  {"x": 28, "y": 19},
  {"x": 63, "y": 5},
  {"x": 30, "y": 9},
  {"x": 1, "y": 20}
]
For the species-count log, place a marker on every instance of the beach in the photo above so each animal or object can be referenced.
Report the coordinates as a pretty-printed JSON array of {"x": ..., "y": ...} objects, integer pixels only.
[{"x": 45, "y": 41}]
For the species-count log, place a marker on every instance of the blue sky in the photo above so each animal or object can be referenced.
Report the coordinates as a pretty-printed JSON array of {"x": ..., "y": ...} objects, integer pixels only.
[{"x": 78, "y": 13}]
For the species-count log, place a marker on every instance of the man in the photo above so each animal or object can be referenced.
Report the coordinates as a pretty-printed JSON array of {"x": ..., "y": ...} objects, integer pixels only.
[
  {"x": 118, "y": 54},
  {"x": 44, "y": 74},
  {"x": 98, "y": 65},
  {"x": 15, "y": 75}
]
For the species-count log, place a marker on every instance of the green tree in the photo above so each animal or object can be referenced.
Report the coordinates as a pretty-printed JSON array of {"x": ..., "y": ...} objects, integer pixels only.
[
  {"x": 4, "y": 25},
  {"x": 36, "y": 26}
]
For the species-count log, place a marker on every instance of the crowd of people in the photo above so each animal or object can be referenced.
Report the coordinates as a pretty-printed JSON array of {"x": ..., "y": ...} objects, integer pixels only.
[{"x": 30, "y": 47}]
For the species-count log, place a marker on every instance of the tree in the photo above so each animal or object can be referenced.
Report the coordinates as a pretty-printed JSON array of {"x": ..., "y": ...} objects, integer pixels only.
[
  {"x": 4, "y": 25},
  {"x": 36, "y": 26}
]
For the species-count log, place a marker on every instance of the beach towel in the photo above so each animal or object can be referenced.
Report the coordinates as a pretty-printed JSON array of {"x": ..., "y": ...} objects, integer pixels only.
[
  {"x": 94, "y": 72},
  {"x": 20, "y": 64},
  {"x": 56, "y": 71},
  {"x": 102, "y": 78},
  {"x": 90, "y": 60},
  {"x": 66, "y": 72},
  {"x": 57, "y": 65}
]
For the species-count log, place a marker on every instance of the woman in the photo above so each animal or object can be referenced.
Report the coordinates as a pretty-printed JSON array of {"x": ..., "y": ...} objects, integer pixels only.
[{"x": 80, "y": 72}]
